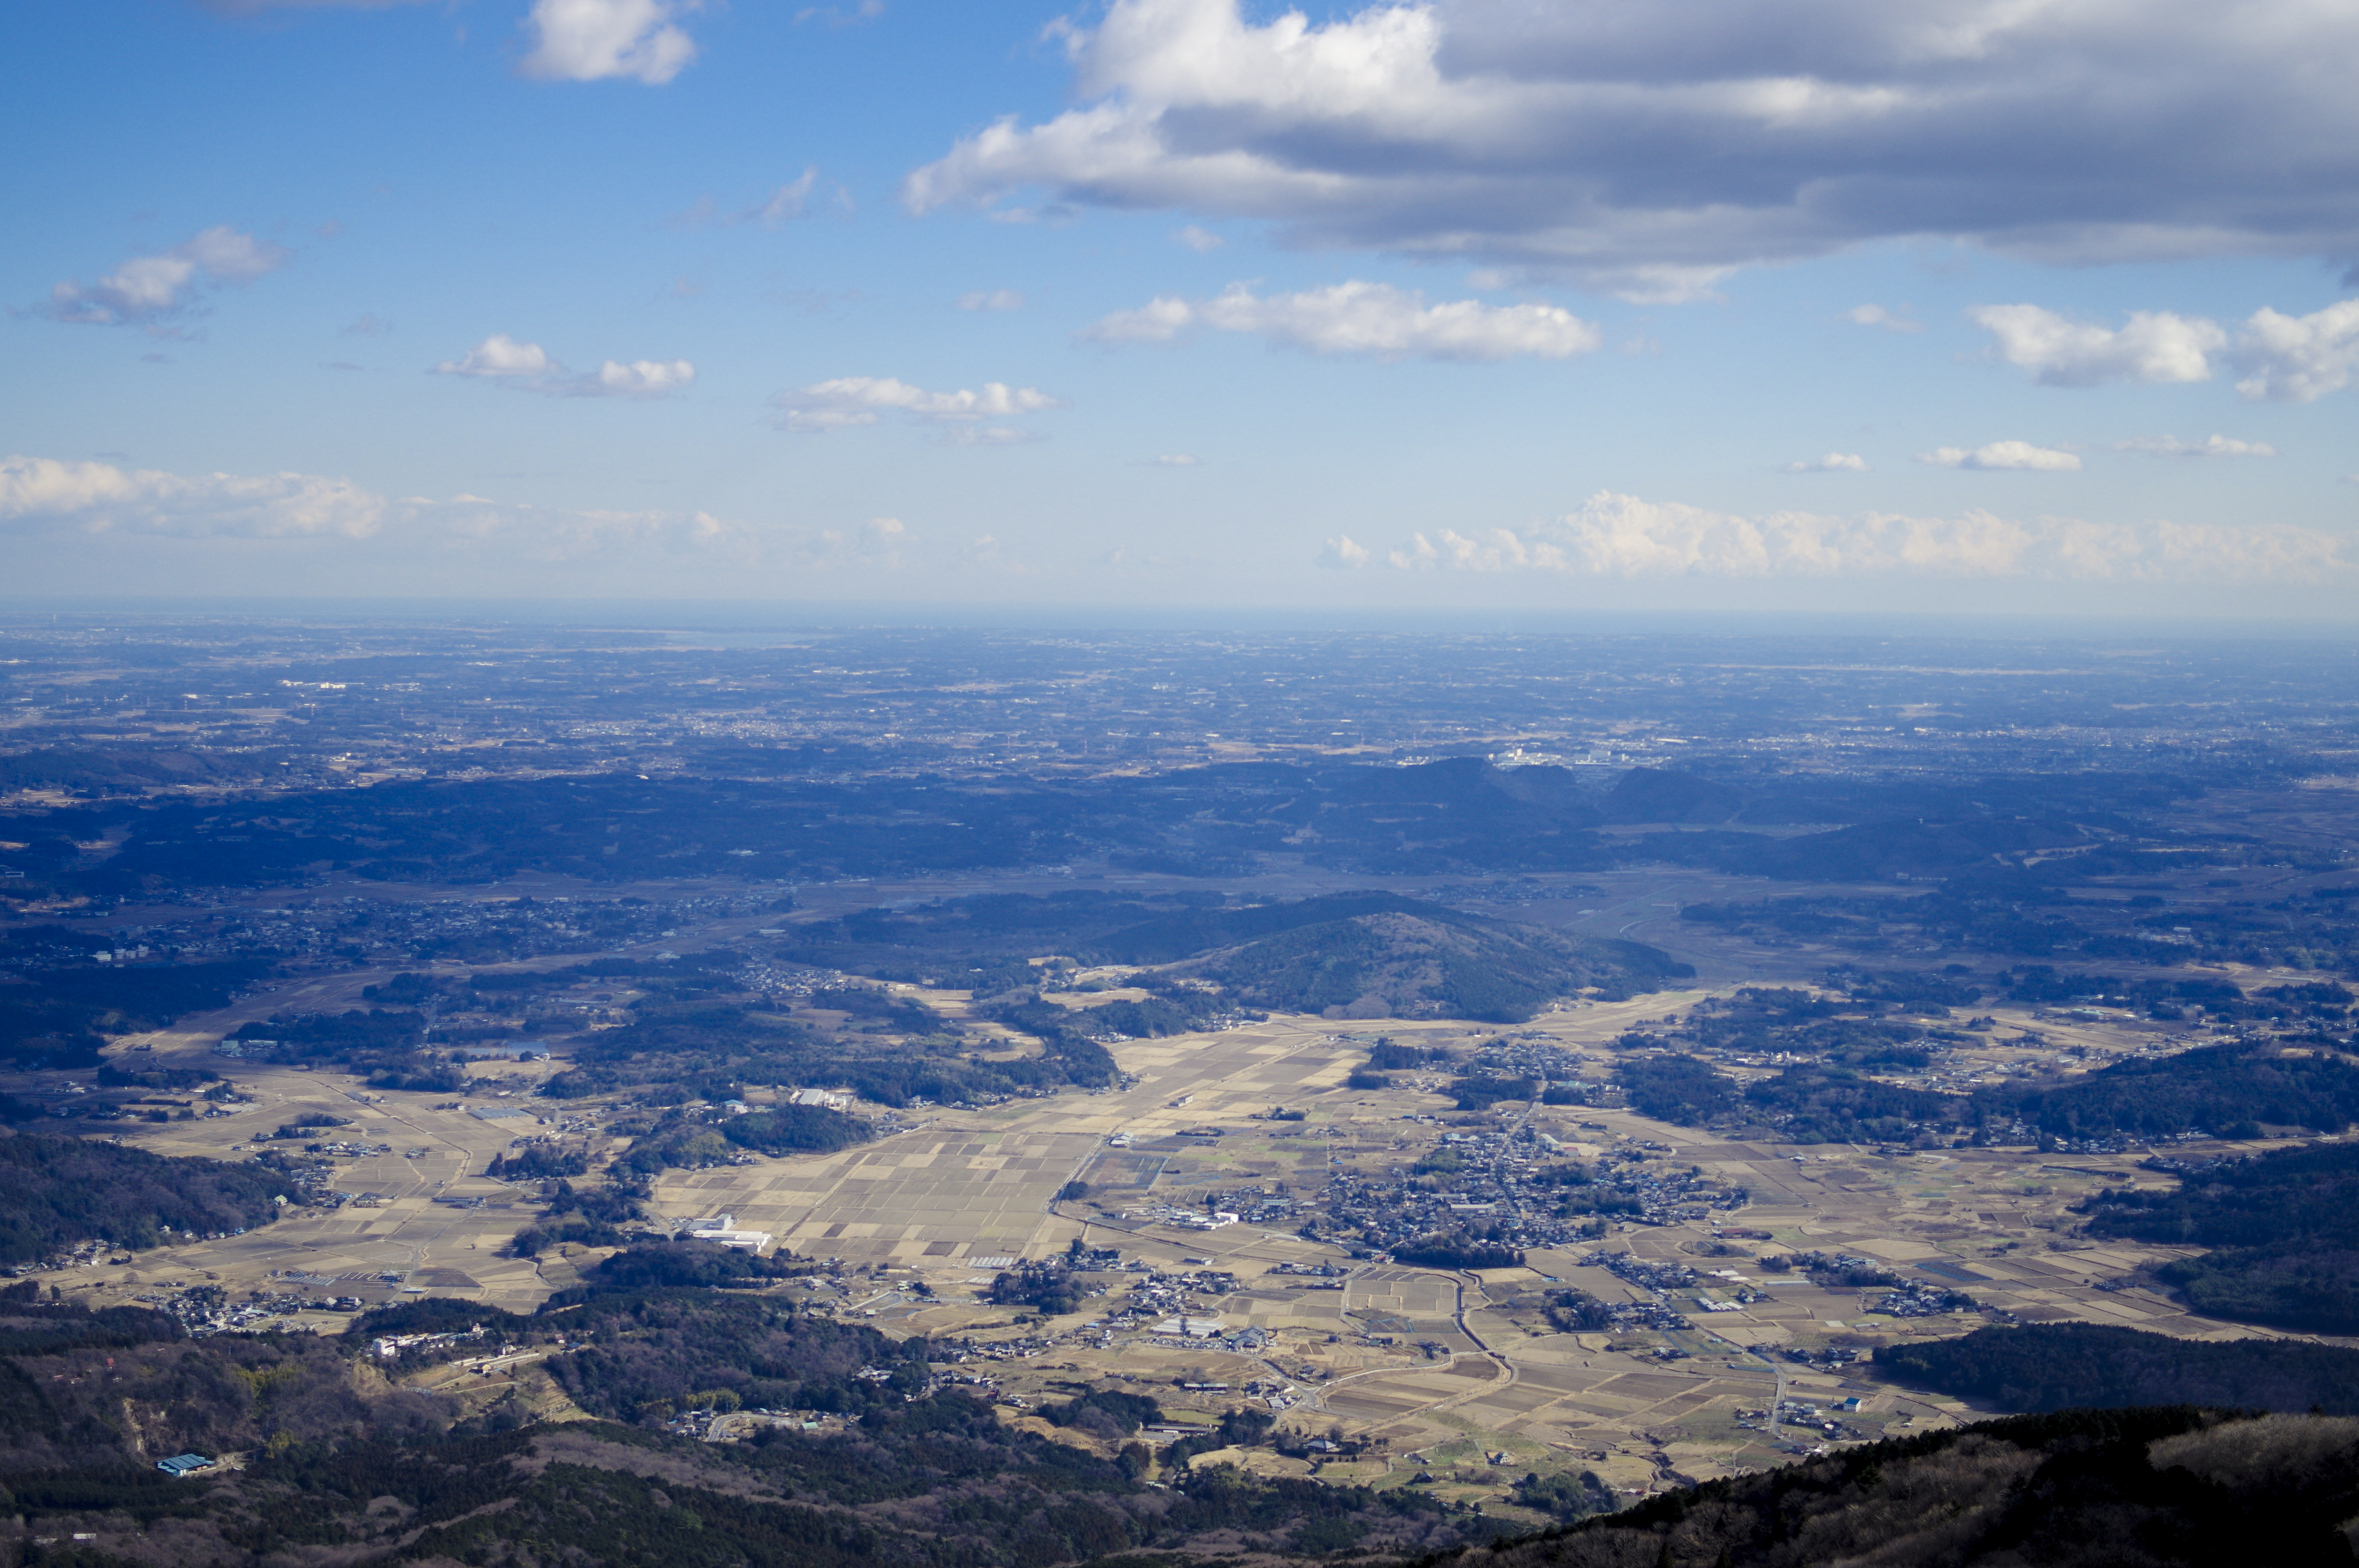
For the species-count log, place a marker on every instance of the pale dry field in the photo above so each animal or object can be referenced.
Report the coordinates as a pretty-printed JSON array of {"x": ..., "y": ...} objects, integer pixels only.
[{"x": 950, "y": 1199}]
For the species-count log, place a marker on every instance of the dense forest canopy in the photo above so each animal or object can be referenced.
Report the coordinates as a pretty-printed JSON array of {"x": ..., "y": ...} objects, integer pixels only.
[{"x": 55, "y": 1192}]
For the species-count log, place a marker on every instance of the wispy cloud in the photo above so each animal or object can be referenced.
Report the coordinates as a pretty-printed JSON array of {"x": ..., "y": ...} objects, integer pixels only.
[
  {"x": 842, "y": 15},
  {"x": 45, "y": 497},
  {"x": 1877, "y": 316},
  {"x": 1625, "y": 536},
  {"x": 991, "y": 299},
  {"x": 2214, "y": 445},
  {"x": 855, "y": 400},
  {"x": 789, "y": 200},
  {"x": 2021, "y": 457},
  {"x": 1355, "y": 318},
  {"x": 1167, "y": 461},
  {"x": 247, "y": 7},
  {"x": 526, "y": 367},
  {"x": 150, "y": 290},
  {"x": 1834, "y": 462},
  {"x": 781, "y": 205}
]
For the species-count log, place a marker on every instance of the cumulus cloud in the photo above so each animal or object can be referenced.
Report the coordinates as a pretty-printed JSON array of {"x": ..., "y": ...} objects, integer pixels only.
[
  {"x": 640, "y": 378},
  {"x": 854, "y": 400},
  {"x": 1357, "y": 318},
  {"x": 499, "y": 355},
  {"x": 2283, "y": 359},
  {"x": 1342, "y": 552},
  {"x": 1625, "y": 536},
  {"x": 2156, "y": 346},
  {"x": 2212, "y": 446},
  {"x": 590, "y": 40},
  {"x": 1834, "y": 462},
  {"x": 2019, "y": 456},
  {"x": 2299, "y": 359},
  {"x": 148, "y": 291},
  {"x": 526, "y": 367},
  {"x": 991, "y": 299},
  {"x": 1877, "y": 316},
  {"x": 1648, "y": 149}
]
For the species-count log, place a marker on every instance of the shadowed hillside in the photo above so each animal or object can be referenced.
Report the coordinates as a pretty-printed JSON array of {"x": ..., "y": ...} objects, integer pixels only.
[
  {"x": 2144, "y": 1488},
  {"x": 1417, "y": 961}
]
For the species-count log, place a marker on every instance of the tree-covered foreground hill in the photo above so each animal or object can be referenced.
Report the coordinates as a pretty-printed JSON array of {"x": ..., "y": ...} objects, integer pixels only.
[
  {"x": 342, "y": 1466},
  {"x": 2171, "y": 1487},
  {"x": 55, "y": 1192}
]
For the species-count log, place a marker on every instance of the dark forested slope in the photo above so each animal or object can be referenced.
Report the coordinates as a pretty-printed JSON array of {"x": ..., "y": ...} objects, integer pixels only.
[
  {"x": 2146, "y": 1489},
  {"x": 2284, "y": 1228},
  {"x": 58, "y": 1191},
  {"x": 2064, "y": 1365}
]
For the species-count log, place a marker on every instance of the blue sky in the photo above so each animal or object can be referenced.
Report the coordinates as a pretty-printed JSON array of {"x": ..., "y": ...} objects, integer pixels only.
[{"x": 1791, "y": 303}]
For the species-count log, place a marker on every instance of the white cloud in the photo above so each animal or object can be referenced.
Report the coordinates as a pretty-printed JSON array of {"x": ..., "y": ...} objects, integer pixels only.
[
  {"x": 1625, "y": 537},
  {"x": 1200, "y": 240},
  {"x": 640, "y": 378},
  {"x": 1834, "y": 462},
  {"x": 1167, "y": 461},
  {"x": 1359, "y": 318},
  {"x": 147, "y": 290},
  {"x": 45, "y": 497},
  {"x": 589, "y": 40},
  {"x": 1342, "y": 552},
  {"x": 1158, "y": 321},
  {"x": 784, "y": 204},
  {"x": 526, "y": 367},
  {"x": 864, "y": 399},
  {"x": 2214, "y": 445},
  {"x": 992, "y": 300},
  {"x": 2285, "y": 359},
  {"x": 2156, "y": 346},
  {"x": 2299, "y": 359},
  {"x": 838, "y": 16},
  {"x": 36, "y": 492},
  {"x": 499, "y": 355},
  {"x": 1648, "y": 149},
  {"x": 987, "y": 436},
  {"x": 788, "y": 200},
  {"x": 247, "y": 7},
  {"x": 2019, "y": 456},
  {"x": 1877, "y": 316}
]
